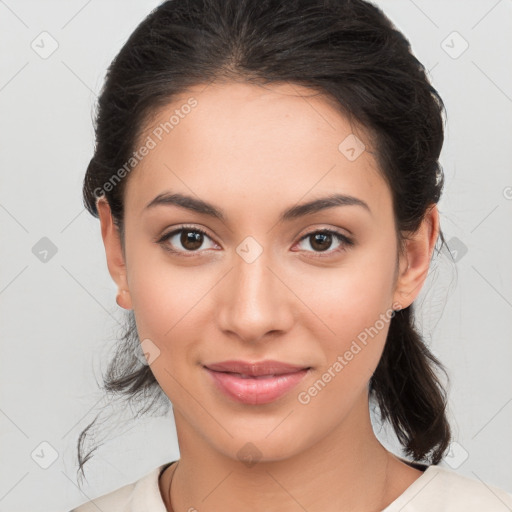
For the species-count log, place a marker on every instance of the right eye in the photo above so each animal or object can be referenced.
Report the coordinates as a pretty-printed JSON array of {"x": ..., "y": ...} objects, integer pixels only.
[{"x": 191, "y": 238}]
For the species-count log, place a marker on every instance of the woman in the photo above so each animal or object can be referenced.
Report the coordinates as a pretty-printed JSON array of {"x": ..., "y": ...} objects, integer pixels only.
[{"x": 266, "y": 177}]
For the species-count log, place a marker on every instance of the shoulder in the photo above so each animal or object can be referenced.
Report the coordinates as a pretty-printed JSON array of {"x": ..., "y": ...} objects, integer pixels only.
[
  {"x": 139, "y": 495},
  {"x": 115, "y": 501},
  {"x": 442, "y": 489}
]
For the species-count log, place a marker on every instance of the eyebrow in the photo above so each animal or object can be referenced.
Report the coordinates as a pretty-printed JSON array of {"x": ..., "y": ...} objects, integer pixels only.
[{"x": 300, "y": 210}]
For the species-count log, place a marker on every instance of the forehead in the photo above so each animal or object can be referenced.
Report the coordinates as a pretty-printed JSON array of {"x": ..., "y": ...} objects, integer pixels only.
[{"x": 277, "y": 143}]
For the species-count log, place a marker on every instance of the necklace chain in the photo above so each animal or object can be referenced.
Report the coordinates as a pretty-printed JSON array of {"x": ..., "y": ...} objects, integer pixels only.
[{"x": 170, "y": 487}]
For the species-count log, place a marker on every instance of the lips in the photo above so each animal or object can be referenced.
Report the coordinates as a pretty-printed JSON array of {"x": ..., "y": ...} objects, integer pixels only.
[
  {"x": 256, "y": 369},
  {"x": 255, "y": 383}
]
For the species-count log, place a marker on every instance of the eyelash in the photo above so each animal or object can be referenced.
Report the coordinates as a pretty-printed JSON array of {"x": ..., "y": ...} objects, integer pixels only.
[{"x": 345, "y": 241}]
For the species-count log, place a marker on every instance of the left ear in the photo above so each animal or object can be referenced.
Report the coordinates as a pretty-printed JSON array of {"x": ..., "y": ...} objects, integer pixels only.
[{"x": 415, "y": 262}]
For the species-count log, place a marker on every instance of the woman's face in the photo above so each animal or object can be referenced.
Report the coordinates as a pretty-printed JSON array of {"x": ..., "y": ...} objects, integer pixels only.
[{"x": 256, "y": 286}]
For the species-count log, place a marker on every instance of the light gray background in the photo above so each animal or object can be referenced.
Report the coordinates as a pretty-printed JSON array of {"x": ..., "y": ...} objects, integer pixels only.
[{"x": 58, "y": 317}]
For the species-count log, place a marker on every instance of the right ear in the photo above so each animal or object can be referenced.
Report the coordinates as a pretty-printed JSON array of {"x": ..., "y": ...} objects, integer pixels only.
[{"x": 114, "y": 252}]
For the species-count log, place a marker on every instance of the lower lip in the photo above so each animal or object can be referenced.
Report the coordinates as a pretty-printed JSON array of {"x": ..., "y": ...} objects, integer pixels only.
[{"x": 256, "y": 391}]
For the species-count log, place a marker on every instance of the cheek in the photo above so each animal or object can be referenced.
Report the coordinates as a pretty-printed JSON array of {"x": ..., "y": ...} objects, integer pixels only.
[
  {"x": 349, "y": 298},
  {"x": 351, "y": 308},
  {"x": 164, "y": 301},
  {"x": 162, "y": 293},
  {"x": 351, "y": 356},
  {"x": 169, "y": 304},
  {"x": 166, "y": 305}
]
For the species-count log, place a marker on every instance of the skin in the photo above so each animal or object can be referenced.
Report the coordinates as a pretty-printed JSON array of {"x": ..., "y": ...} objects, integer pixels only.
[{"x": 254, "y": 151}]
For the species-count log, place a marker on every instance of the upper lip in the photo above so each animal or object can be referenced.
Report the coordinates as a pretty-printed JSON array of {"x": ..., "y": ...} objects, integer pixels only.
[{"x": 257, "y": 368}]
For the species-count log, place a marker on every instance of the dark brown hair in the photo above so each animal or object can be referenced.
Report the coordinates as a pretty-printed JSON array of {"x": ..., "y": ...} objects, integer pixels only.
[{"x": 351, "y": 53}]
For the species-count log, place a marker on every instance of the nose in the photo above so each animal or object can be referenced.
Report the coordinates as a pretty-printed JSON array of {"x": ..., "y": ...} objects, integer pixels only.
[{"x": 254, "y": 301}]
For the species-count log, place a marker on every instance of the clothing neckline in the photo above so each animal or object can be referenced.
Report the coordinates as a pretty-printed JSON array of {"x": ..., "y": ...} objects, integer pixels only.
[
  {"x": 428, "y": 472},
  {"x": 415, "y": 465}
]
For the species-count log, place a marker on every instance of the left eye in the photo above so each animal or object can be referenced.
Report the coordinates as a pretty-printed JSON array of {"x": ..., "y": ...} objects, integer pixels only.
[{"x": 322, "y": 240}]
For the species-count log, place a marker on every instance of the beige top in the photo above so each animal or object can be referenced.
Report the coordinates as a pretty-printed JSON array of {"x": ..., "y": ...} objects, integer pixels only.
[{"x": 438, "y": 489}]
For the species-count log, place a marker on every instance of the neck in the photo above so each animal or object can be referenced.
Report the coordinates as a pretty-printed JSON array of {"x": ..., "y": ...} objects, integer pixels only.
[{"x": 349, "y": 466}]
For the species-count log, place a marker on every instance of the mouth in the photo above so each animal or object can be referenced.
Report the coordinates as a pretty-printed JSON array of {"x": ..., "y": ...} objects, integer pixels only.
[
  {"x": 257, "y": 368},
  {"x": 260, "y": 377},
  {"x": 255, "y": 383}
]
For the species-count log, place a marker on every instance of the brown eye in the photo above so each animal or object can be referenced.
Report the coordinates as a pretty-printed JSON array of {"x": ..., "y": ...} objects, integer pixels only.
[
  {"x": 190, "y": 239},
  {"x": 321, "y": 241}
]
